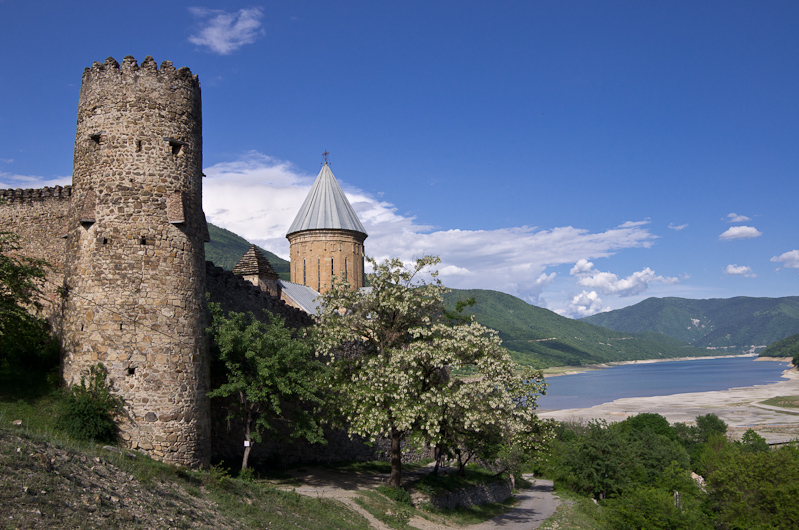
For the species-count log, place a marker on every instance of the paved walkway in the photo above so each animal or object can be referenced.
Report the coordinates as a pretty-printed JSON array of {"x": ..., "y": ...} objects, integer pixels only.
[{"x": 536, "y": 504}]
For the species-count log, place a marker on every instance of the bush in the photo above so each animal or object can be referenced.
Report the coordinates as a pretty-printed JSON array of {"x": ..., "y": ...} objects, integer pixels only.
[
  {"x": 89, "y": 412},
  {"x": 394, "y": 493}
]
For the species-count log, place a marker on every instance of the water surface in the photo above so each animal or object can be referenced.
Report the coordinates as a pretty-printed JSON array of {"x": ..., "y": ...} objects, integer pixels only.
[{"x": 657, "y": 379}]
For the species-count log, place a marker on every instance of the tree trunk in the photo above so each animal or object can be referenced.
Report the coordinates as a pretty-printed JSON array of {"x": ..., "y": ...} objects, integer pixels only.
[
  {"x": 247, "y": 441},
  {"x": 396, "y": 459},
  {"x": 437, "y": 454}
]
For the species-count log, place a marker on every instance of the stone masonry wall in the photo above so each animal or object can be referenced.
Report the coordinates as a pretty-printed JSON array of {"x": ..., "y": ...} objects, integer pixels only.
[
  {"x": 135, "y": 270},
  {"x": 39, "y": 217}
]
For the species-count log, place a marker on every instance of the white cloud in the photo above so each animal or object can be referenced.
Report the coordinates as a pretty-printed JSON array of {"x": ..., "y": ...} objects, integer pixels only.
[
  {"x": 609, "y": 283},
  {"x": 11, "y": 181},
  {"x": 630, "y": 224},
  {"x": 790, "y": 259},
  {"x": 225, "y": 32},
  {"x": 740, "y": 232},
  {"x": 584, "y": 304},
  {"x": 258, "y": 196},
  {"x": 678, "y": 227},
  {"x": 735, "y": 218},
  {"x": 742, "y": 270}
]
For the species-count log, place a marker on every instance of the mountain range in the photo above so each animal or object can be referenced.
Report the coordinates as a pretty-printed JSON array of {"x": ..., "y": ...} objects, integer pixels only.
[
  {"x": 657, "y": 328},
  {"x": 733, "y": 325}
]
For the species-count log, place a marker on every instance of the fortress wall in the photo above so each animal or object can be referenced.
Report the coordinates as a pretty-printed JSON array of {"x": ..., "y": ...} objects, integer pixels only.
[
  {"x": 234, "y": 293},
  {"x": 39, "y": 217}
]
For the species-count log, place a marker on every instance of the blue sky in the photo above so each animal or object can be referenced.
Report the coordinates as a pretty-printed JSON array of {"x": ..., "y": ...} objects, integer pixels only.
[{"x": 580, "y": 155}]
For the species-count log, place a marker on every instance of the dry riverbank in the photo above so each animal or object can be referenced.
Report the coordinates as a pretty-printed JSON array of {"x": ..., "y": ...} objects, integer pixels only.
[{"x": 741, "y": 408}]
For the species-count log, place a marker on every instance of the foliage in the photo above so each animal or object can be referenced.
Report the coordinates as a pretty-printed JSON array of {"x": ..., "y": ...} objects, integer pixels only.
[
  {"x": 539, "y": 337},
  {"x": 751, "y": 441},
  {"x": 649, "y": 421},
  {"x": 89, "y": 410},
  {"x": 394, "y": 493},
  {"x": 655, "y": 509},
  {"x": 787, "y": 347},
  {"x": 752, "y": 489},
  {"x": 604, "y": 460},
  {"x": 24, "y": 337},
  {"x": 271, "y": 373},
  {"x": 391, "y": 349}
]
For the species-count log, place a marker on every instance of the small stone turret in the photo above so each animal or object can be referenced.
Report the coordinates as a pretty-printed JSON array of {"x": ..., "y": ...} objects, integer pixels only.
[
  {"x": 134, "y": 284},
  {"x": 256, "y": 269}
]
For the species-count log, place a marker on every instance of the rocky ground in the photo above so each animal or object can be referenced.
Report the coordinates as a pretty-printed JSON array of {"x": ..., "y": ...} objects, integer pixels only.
[{"x": 44, "y": 486}]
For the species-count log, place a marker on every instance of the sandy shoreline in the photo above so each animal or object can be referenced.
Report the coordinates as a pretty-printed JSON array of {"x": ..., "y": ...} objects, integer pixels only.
[{"x": 739, "y": 407}]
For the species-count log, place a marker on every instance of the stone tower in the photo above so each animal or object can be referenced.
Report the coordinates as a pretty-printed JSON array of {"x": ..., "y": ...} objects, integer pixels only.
[
  {"x": 134, "y": 283},
  {"x": 326, "y": 237}
]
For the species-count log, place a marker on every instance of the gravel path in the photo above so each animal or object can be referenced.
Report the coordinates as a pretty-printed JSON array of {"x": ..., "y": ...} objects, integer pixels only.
[{"x": 536, "y": 504}]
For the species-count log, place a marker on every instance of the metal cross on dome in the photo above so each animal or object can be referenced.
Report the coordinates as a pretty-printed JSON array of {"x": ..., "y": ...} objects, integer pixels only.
[{"x": 325, "y": 155}]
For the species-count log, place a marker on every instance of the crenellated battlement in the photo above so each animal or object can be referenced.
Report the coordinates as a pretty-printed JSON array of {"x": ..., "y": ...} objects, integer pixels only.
[
  {"x": 131, "y": 67},
  {"x": 39, "y": 194}
]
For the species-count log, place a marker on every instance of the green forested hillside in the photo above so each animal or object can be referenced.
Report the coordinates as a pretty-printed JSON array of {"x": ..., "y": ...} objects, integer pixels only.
[
  {"x": 734, "y": 325},
  {"x": 226, "y": 249},
  {"x": 541, "y": 338},
  {"x": 787, "y": 347}
]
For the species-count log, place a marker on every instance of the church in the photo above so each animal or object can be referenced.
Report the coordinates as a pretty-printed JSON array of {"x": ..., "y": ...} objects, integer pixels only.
[{"x": 326, "y": 242}]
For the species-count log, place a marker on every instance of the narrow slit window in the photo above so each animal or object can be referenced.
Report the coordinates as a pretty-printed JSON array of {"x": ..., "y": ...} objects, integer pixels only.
[
  {"x": 318, "y": 274},
  {"x": 304, "y": 282},
  {"x": 345, "y": 269},
  {"x": 143, "y": 240},
  {"x": 138, "y": 146}
]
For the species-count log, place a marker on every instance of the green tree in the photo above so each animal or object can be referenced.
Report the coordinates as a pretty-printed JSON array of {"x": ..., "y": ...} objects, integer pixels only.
[
  {"x": 752, "y": 489},
  {"x": 751, "y": 441},
  {"x": 20, "y": 278},
  {"x": 272, "y": 375},
  {"x": 391, "y": 349},
  {"x": 655, "y": 509}
]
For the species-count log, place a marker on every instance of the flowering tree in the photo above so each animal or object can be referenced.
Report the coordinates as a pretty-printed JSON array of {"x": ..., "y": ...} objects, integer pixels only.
[{"x": 391, "y": 348}]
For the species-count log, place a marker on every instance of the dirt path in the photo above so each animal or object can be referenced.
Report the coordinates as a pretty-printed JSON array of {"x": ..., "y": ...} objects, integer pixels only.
[{"x": 536, "y": 504}]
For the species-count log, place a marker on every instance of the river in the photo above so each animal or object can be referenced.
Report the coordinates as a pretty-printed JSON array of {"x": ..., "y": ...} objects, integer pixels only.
[{"x": 658, "y": 379}]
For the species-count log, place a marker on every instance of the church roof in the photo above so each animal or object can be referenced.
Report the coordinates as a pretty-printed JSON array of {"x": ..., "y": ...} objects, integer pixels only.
[
  {"x": 253, "y": 262},
  {"x": 307, "y": 298},
  {"x": 326, "y": 207}
]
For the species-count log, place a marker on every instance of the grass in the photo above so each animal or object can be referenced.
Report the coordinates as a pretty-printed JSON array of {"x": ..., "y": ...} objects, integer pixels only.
[
  {"x": 791, "y": 402},
  {"x": 434, "y": 484},
  {"x": 574, "y": 512}
]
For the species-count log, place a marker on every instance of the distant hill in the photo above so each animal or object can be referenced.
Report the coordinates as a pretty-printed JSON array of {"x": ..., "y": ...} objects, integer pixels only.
[
  {"x": 226, "y": 249},
  {"x": 541, "y": 338},
  {"x": 787, "y": 347},
  {"x": 735, "y": 325}
]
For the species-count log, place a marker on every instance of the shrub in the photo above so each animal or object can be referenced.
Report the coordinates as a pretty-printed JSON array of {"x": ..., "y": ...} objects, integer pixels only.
[
  {"x": 88, "y": 411},
  {"x": 394, "y": 493}
]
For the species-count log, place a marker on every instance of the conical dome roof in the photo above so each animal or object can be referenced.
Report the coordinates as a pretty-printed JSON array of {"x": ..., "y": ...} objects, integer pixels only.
[{"x": 326, "y": 207}]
